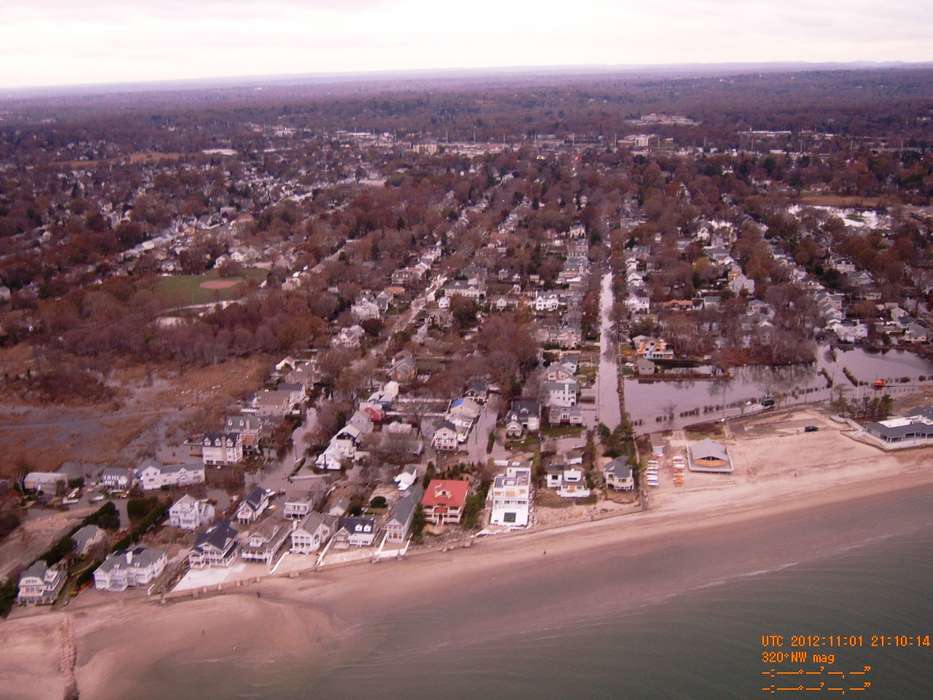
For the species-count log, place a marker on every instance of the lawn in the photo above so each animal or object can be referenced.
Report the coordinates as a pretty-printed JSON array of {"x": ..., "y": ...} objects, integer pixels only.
[
  {"x": 183, "y": 290},
  {"x": 561, "y": 431}
]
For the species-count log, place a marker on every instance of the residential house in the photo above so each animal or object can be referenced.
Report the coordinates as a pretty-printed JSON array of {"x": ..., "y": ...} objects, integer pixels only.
[
  {"x": 125, "y": 569},
  {"x": 253, "y": 506},
  {"x": 477, "y": 389},
  {"x": 40, "y": 584},
  {"x": 558, "y": 372},
  {"x": 86, "y": 537},
  {"x": 404, "y": 369},
  {"x": 573, "y": 483},
  {"x": 215, "y": 547},
  {"x": 401, "y": 515},
  {"x": 188, "y": 513},
  {"x": 444, "y": 500},
  {"x": 407, "y": 477},
  {"x": 312, "y": 533},
  {"x": 354, "y": 532},
  {"x": 445, "y": 437},
  {"x": 219, "y": 449},
  {"x": 349, "y": 338},
  {"x": 265, "y": 541},
  {"x": 569, "y": 415},
  {"x": 248, "y": 426},
  {"x": 510, "y": 497},
  {"x": 562, "y": 394},
  {"x": 297, "y": 505},
  {"x": 155, "y": 476},
  {"x": 278, "y": 403},
  {"x": 617, "y": 474},
  {"x": 524, "y": 416}
]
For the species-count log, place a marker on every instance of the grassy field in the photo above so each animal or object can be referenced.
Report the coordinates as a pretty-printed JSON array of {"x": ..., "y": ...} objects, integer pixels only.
[{"x": 183, "y": 290}]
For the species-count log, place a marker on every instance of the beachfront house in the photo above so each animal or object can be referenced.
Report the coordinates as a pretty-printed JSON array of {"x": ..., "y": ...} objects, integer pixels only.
[
  {"x": 134, "y": 567},
  {"x": 253, "y": 506},
  {"x": 188, "y": 513},
  {"x": 354, "y": 532},
  {"x": 709, "y": 456},
  {"x": 570, "y": 481},
  {"x": 40, "y": 584},
  {"x": 297, "y": 505},
  {"x": 215, "y": 547},
  {"x": 618, "y": 475},
  {"x": 510, "y": 497},
  {"x": 86, "y": 537},
  {"x": 312, "y": 533},
  {"x": 444, "y": 500},
  {"x": 401, "y": 515},
  {"x": 265, "y": 541}
]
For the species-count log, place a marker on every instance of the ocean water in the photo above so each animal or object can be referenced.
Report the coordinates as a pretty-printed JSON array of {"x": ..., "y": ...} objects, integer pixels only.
[{"x": 683, "y": 619}]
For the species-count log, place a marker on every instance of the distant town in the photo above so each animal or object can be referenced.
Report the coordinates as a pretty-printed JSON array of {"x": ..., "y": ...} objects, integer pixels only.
[{"x": 263, "y": 337}]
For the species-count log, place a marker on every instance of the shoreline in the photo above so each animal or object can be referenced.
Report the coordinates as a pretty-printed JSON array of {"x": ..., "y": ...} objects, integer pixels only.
[{"x": 120, "y": 641}]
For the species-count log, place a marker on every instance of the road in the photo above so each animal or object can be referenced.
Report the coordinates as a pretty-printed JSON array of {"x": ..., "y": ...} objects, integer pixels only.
[{"x": 608, "y": 404}]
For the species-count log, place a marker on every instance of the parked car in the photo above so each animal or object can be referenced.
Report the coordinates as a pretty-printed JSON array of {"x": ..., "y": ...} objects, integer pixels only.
[{"x": 810, "y": 429}]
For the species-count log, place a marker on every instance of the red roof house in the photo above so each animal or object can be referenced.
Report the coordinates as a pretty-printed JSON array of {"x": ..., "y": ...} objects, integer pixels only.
[{"x": 444, "y": 499}]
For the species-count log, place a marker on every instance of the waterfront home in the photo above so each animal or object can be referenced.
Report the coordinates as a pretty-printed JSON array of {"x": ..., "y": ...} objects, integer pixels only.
[
  {"x": 86, "y": 537},
  {"x": 188, "y": 513},
  {"x": 571, "y": 415},
  {"x": 354, "y": 532},
  {"x": 265, "y": 541},
  {"x": 510, "y": 496},
  {"x": 117, "y": 478},
  {"x": 401, "y": 515},
  {"x": 444, "y": 500},
  {"x": 134, "y": 567},
  {"x": 215, "y": 547},
  {"x": 570, "y": 481},
  {"x": 709, "y": 456},
  {"x": 220, "y": 449},
  {"x": 155, "y": 476},
  {"x": 253, "y": 506},
  {"x": 40, "y": 584},
  {"x": 618, "y": 475},
  {"x": 524, "y": 415},
  {"x": 312, "y": 533}
]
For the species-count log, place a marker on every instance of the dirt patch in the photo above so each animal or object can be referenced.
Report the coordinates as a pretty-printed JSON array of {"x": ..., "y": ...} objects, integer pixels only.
[{"x": 221, "y": 284}]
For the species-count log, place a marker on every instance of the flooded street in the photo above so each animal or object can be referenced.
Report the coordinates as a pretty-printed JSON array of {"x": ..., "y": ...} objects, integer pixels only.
[
  {"x": 662, "y": 405},
  {"x": 608, "y": 410}
]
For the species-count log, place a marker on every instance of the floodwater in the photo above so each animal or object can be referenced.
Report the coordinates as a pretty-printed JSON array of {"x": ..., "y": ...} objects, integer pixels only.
[
  {"x": 655, "y": 406},
  {"x": 608, "y": 410}
]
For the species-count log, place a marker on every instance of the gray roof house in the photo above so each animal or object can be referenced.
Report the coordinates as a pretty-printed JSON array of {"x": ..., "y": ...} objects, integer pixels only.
[
  {"x": 401, "y": 515},
  {"x": 40, "y": 584},
  {"x": 134, "y": 567},
  {"x": 618, "y": 475},
  {"x": 312, "y": 533},
  {"x": 87, "y": 537},
  {"x": 216, "y": 546}
]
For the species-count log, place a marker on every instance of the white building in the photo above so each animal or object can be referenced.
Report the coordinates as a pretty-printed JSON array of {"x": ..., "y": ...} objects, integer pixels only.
[
  {"x": 510, "y": 497},
  {"x": 135, "y": 567},
  {"x": 155, "y": 476},
  {"x": 188, "y": 513},
  {"x": 562, "y": 394},
  {"x": 221, "y": 449}
]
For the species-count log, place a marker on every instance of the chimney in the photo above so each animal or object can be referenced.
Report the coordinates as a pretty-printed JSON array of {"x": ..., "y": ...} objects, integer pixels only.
[{"x": 129, "y": 557}]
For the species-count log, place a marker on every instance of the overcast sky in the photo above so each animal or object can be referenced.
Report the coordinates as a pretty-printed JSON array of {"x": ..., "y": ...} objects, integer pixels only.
[{"x": 67, "y": 42}]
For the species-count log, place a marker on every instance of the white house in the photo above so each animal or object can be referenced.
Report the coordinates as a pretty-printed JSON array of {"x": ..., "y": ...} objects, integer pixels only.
[
  {"x": 510, "y": 497},
  {"x": 155, "y": 476},
  {"x": 265, "y": 541},
  {"x": 354, "y": 532},
  {"x": 618, "y": 475},
  {"x": 116, "y": 478},
  {"x": 524, "y": 415},
  {"x": 312, "y": 533},
  {"x": 546, "y": 301},
  {"x": 570, "y": 481},
  {"x": 188, "y": 513},
  {"x": 253, "y": 506},
  {"x": 221, "y": 449},
  {"x": 135, "y": 567},
  {"x": 216, "y": 546},
  {"x": 445, "y": 437},
  {"x": 562, "y": 394},
  {"x": 40, "y": 584}
]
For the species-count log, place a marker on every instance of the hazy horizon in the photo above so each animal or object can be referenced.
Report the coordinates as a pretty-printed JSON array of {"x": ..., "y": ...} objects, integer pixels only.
[{"x": 106, "y": 42}]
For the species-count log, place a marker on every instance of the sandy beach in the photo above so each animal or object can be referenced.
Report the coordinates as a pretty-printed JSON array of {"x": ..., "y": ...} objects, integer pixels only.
[{"x": 118, "y": 642}]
